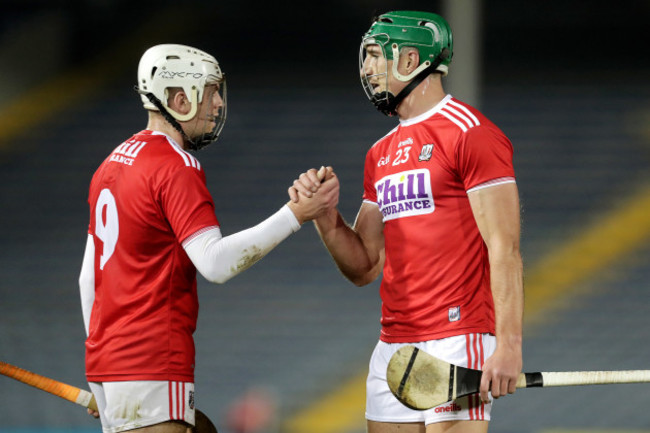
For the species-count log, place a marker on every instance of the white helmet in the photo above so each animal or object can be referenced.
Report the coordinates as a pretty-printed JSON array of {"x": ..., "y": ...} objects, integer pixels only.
[{"x": 171, "y": 66}]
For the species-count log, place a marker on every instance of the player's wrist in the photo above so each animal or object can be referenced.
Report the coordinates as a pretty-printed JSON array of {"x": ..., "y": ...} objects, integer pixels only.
[
  {"x": 512, "y": 343},
  {"x": 290, "y": 217},
  {"x": 328, "y": 219},
  {"x": 296, "y": 212}
]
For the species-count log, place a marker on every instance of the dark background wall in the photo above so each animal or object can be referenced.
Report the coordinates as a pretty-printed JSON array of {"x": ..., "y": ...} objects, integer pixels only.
[{"x": 517, "y": 37}]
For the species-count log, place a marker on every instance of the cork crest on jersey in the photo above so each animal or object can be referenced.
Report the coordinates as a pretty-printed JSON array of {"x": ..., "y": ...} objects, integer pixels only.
[{"x": 426, "y": 152}]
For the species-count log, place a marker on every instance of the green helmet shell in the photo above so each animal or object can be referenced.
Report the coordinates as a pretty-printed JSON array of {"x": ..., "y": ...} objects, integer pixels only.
[{"x": 428, "y": 32}]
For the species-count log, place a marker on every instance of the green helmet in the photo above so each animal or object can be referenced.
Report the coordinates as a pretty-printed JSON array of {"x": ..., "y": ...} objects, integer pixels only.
[{"x": 428, "y": 32}]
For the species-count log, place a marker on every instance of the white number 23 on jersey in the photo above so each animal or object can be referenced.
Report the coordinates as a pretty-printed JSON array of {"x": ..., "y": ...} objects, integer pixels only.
[{"x": 107, "y": 226}]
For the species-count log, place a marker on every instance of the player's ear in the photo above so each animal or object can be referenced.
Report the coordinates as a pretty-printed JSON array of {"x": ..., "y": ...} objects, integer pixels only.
[
  {"x": 409, "y": 60},
  {"x": 178, "y": 101},
  {"x": 413, "y": 59}
]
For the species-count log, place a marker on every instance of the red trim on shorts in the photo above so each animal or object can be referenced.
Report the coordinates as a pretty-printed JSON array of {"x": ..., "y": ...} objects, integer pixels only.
[
  {"x": 171, "y": 400},
  {"x": 175, "y": 399},
  {"x": 482, "y": 354},
  {"x": 475, "y": 359},
  {"x": 178, "y": 401},
  {"x": 183, "y": 400},
  {"x": 470, "y": 398}
]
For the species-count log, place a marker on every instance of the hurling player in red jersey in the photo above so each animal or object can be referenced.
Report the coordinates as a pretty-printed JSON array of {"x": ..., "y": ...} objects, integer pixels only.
[
  {"x": 440, "y": 220},
  {"x": 152, "y": 226}
]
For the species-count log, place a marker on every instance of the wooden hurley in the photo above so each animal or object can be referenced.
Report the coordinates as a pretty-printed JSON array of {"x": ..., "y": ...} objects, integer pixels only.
[
  {"x": 60, "y": 389},
  {"x": 422, "y": 381},
  {"x": 82, "y": 397}
]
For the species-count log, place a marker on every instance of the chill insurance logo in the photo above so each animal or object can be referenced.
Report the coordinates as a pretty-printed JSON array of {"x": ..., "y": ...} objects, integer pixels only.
[{"x": 405, "y": 194}]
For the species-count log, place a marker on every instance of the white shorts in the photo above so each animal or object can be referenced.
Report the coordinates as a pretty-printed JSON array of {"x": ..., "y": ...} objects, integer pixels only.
[
  {"x": 469, "y": 350},
  {"x": 133, "y": 404}
]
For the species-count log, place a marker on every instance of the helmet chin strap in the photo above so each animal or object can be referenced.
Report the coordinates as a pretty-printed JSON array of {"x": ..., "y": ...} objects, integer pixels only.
[
  {"x": 194, "y": 145},
  {"x": 387, "y": 103}
]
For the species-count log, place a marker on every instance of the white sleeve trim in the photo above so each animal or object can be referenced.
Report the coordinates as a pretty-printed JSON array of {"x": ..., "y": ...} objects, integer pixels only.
[
  {"x": 198, "y": 233},
  {"x": 218, "y": 259},
  {"x": 493, "y": 182},
  {"x": 87, "y": 281}
]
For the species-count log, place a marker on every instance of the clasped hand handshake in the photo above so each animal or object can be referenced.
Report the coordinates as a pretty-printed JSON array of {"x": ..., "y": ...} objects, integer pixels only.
[{"x": 314, "y": 194}]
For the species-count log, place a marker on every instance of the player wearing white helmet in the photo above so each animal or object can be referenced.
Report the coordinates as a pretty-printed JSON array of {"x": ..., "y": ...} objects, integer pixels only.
[
  {"x": 169, "y": 68},
  {"x": 152, "y": 226},
  {"x": 439, "y": 221}
]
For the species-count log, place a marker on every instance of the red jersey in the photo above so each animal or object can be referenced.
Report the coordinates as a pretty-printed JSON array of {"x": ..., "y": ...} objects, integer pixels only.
[
  {"x": 436, "y": 279},
  {"x": 145, "y": 199}
]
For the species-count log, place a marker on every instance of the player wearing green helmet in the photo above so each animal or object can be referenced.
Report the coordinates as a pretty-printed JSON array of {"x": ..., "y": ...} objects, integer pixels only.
[
  {"x": 439, "y": 224},
  {"x": 429, "y": 34}
]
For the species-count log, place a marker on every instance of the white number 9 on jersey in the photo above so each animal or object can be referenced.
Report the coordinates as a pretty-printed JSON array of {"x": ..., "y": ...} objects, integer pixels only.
[{"x": 106, "y": 230}]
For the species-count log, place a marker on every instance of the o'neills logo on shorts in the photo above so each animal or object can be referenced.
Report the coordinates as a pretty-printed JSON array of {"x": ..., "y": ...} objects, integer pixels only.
[
  {"x": 452, "y": 407},
  {"x": 405, "y": 194}
]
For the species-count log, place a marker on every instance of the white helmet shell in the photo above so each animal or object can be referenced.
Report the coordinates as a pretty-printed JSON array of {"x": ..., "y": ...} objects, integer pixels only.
[{"x": 172, "y": 65}]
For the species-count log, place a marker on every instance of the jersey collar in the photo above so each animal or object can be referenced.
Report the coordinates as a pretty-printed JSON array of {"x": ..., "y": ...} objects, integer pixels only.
[
  {"x": 171, "y": 140},
  {"x": 426, "y": 114}
]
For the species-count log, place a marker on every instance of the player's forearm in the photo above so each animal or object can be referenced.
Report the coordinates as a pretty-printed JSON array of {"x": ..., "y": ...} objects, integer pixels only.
[
  {"x": 347, "y": 249},
  {"x": 506, "y": 272},
  {"x": 219, "y": 259},
  {"x": 496, "y": 210}
]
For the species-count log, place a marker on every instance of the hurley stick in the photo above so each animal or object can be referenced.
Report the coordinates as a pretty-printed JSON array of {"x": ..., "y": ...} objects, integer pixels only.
[
  {"x": 60, "y": 389},
  {"x": 421, "y": 381},
  {"x": 203, "y": 424}
]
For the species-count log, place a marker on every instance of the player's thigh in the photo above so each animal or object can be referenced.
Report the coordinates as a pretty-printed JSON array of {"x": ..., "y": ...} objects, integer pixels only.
[
  {"x": 165, "y": 427},
  {"x": 391, "y": 427},
  {"x": 438, "y": 427},
  {"x": 383, "y": 407},
  {"x": 458, "y": 427},
  {"x": 139, "y": 405}
]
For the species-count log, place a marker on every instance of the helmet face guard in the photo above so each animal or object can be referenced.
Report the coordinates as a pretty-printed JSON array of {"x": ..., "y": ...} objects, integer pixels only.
[
  {"x": 428, "y": 33},
  {"x": 202, "y": 134},
  {"x": 375, "y": 85},
  {"x": 172, "y": 66}
]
